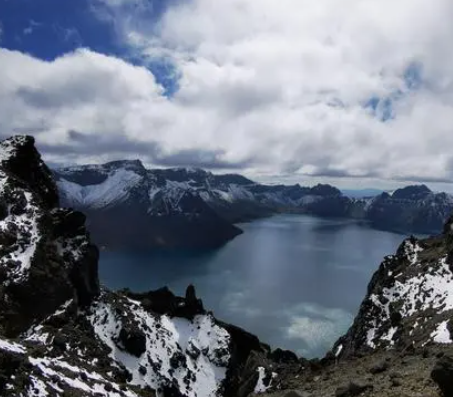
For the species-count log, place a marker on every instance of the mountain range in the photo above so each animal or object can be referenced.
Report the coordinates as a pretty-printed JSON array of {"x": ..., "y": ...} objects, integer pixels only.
[
  {"x": 129, "y": 205},
  {"x": 63, "y": 334}
]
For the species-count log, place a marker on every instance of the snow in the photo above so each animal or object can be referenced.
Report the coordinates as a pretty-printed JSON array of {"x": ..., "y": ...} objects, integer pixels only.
[
  {"x": 94, "y": 384},
  {"x": 11, "y": 346},
  {"x": 27, "y": 234},
  {"x": 442, "y": 334},
  {"x": 38, "y": 387},
  {"x": 413, "y": 292},
  {"x": 164, "y": 337},
  {"x": 116, "y": 188},
  {"x": 260, "y": 386},
  {"x": 339, "y": 350},
  {"x": 7, "y": 149}
]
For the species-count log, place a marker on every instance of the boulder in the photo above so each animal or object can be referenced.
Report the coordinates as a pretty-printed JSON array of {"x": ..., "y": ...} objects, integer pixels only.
[
  {"x": 442, "y": 375},
  {"x": 352, "y": 389}
]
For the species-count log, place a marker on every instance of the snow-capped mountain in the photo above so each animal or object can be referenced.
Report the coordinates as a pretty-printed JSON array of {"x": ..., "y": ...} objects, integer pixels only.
[
  {"x": 129, "y": 205},
  {"x": 187, "y": 207}
]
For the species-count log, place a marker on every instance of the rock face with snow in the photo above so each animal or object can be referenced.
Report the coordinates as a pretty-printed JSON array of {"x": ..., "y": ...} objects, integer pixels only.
[
  {"x": 409, "y": 303},
  {"x": 61, "y": 334},
  {"x": 127, "y": 204}
]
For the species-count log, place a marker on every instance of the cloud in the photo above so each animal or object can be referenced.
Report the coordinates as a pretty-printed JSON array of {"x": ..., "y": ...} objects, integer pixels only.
[
  {"x": 295, "y": 88},
  {"x": 316, "y": 327}
]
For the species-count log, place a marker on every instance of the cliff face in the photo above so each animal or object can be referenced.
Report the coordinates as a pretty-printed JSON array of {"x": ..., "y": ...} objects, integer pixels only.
[
  {"x": 409, "y": 303},
  {"x": 45, "y": 255}
]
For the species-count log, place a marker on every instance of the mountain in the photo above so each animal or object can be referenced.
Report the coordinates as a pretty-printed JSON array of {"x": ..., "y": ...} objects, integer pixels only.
[
  {"x": 413, "y": 208},
  {"x": 129, "y": 205},
  {"x": 63, "y": 334}
]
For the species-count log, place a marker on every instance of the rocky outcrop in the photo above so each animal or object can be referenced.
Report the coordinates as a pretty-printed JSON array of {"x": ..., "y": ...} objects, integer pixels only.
[
  {"x": 46, "y": 256},
  {"x": 409, "y": 300},
  {"x": 442, "y": 374}
]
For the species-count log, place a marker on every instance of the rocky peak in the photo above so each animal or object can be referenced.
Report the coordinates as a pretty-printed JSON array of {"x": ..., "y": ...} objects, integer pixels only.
[
  {"x": 409, "y": 300},
  {"x": 412, "y": 192},
  {"x": 46, "y": 257},
  {"x": 20, "y": 159}
]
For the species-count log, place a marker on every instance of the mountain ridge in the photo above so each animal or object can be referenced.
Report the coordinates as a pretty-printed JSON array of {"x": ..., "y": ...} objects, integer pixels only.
[{"x": 116, "y": 187}]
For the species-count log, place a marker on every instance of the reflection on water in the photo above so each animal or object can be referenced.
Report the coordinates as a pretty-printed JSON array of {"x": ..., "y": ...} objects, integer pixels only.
[{"x": 295, "y": 281}]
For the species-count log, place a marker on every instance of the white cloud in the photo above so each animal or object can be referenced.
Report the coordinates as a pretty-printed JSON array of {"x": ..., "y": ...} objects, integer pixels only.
[
  {"x": 316, "y": 327},
  {"x": 275, "y": 87}
]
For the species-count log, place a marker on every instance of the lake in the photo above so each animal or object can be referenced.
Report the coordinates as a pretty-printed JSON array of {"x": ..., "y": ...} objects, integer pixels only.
[{"x": 295, "y": 281}]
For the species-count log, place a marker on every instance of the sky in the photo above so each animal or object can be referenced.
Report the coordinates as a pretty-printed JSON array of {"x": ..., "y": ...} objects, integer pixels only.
[{"x": 358, "y": 93}]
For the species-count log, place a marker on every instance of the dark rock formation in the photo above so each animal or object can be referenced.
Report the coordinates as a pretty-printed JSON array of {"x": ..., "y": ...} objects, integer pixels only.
[
  {"x": 442, "y": 374},
  {"x": 57, "y": 270}
]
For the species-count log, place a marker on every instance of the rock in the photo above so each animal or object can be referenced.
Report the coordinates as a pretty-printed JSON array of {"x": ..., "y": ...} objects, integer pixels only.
[
  {"x": 133, "y": 341},
  {"x": 283, "y": 356},
  {"x": 352, "y": 389},
  {"x": 379, "y": 367},
  {"x": 297, "y": 393},
  {"x": 442, "y": 375}
]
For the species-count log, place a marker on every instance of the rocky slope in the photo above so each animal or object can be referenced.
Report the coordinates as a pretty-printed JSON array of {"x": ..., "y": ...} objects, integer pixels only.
[
  {"x": 194, "y": 208},
  {"x": 61, "y": 334}
]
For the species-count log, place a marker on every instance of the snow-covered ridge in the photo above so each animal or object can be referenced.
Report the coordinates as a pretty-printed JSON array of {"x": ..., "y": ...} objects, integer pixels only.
[
  {"x": 190, "y": 356},
  {"x": 410, "y": 300},
  {"x": 115, "y": 189},
  {"x": 194, "y": 354}
]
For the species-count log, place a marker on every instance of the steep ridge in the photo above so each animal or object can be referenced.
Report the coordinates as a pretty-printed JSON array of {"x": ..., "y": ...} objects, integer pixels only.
[
  {"x": 61, "y": 334},
  {"x": 186, "y": 207}
]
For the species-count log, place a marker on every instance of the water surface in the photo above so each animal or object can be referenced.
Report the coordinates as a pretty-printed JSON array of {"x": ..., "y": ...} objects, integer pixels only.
[{"x": 295, "y": 281}]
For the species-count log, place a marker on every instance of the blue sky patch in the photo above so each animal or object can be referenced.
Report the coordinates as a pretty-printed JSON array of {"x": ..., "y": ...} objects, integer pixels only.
[{"x": 47, "y": 29}]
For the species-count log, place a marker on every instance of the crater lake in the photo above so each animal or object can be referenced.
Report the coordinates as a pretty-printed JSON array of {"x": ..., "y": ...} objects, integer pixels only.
[{"x": 295, "y": 281}]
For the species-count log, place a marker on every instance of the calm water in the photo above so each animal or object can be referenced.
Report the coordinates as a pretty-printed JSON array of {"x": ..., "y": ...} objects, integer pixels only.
[{"x": 295, "y": 281}]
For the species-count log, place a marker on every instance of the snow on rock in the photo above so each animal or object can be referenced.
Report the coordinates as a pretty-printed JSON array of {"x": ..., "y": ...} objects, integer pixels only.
[
  {"x": 264, "y": 382},
  {"x": 442, "y": 334},
  {"x": 193, "y": 355},
  {"x": 115, "y": 189},
  {"x": 20, "y": 225},
  {"x": 409, "y": 299}
]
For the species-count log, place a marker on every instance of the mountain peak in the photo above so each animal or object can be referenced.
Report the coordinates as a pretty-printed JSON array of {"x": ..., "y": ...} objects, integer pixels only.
[
  {"x": 20, "y": 159},
  {"x": 412, "y": 192}
]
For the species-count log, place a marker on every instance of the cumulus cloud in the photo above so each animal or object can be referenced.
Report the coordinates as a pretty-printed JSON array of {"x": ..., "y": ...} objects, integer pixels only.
[{"x": 359, "y": 89}]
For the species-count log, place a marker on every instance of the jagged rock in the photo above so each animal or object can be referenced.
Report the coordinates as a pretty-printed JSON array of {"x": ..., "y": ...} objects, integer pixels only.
[
  {"x": 442, "y": 374},
  {"x": 381, "y": 366},
  {"x": 352, "y": 389},
  {"x": 283, "y": 356},
  {"x": 133, "y": 340}
]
